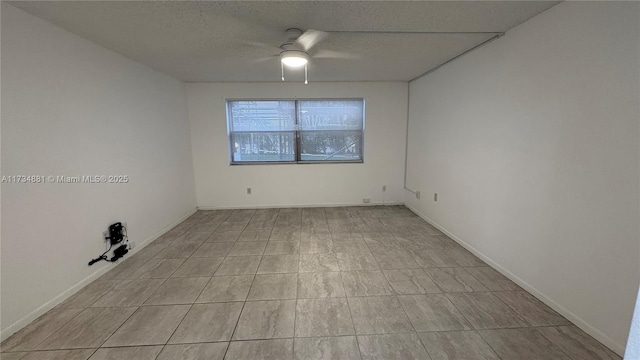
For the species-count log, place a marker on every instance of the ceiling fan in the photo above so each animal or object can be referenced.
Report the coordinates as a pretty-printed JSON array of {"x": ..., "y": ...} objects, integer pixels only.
[{"x": 296, "y": 52}]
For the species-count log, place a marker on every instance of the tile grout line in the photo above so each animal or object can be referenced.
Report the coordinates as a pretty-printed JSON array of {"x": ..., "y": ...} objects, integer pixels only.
[
  {"x": 174, "y": 330},
  {"x": 488, "y": 344},
  {"x": 191, "y": 305},
  {"x": 478, "y": 330},
  {"x": 235, "y": 328},
  {"x": 48, "y": 336},
  {"x": 395, "y": 295},
  {"x": 196, "y": 298},
  {"x": 295, "y": 314},
  {"x": 116, "y": 330},
  {"x": 355, "y": 332},
  {"x": 295, "y": 310}
]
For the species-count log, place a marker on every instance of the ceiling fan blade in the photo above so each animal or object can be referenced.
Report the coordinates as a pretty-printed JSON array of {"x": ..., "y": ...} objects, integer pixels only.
[
  {"x": 259, "y": 44},
  {"x": 311, "y": 38},
  {"x": 264, "y": 59},
  {"x": 328, "y": 54}
]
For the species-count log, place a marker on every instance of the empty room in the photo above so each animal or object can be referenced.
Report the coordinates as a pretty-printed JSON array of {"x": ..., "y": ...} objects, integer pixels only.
[{"x": 320, "y": 180}]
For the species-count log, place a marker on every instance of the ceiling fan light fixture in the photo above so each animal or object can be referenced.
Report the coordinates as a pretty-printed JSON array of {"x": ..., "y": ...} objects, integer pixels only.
[{"x": 294, "y": 58}]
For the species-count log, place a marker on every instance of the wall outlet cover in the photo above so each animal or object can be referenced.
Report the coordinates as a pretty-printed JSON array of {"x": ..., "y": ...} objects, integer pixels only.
[{"x": 366, "y": 200}]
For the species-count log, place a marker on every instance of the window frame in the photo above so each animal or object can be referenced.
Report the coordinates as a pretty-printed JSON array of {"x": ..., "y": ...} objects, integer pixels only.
[{"x": 297, "y": 132}]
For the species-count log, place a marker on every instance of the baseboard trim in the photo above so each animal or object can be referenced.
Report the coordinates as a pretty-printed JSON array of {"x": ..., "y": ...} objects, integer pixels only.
[
  {"x": 575, "y": 319},
  {"x": 27, "y": 319},
  {"x": 294, "y": 206}
]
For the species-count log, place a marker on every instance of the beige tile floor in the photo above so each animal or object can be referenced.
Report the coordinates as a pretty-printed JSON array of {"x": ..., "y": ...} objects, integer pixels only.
[{"x": 315, "y": 283}]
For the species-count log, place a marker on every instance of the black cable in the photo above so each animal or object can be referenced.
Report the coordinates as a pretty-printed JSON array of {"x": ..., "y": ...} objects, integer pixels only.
[{"x": 101, "y": 257}]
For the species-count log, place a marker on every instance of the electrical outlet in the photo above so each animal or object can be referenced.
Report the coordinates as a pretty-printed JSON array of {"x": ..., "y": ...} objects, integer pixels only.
[
  {"x": 384, "y": 187},
  {"x": 248, "y": 191},
  {"x": 366, "y": 200},
  {"x": 435, "y": 196},
  {"x": 418, "y": 195}
]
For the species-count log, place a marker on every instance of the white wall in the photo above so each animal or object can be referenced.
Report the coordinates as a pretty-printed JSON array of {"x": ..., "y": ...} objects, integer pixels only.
[
  {"x": 531, "y": 143},
  {"x": 70, "y": 107},
  {"x": 220, "y": 185}
]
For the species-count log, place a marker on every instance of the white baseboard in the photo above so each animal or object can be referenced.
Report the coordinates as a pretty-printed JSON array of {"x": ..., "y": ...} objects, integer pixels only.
[
  {"x": 575, "y": 319},
  {"x": 26, "y": 320},
  {"x": 294, "y": 206}
]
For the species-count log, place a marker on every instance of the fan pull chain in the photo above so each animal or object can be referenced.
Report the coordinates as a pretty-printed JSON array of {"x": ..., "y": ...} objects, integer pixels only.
[
  {"x": 305, "y": 75},
  {"x": 282, "y": 66}
]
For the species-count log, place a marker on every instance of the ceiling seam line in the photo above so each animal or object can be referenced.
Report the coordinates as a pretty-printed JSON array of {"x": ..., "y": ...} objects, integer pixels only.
[
  {"x": 414, "y": 32},
  {"x": 499, "y": 35}
]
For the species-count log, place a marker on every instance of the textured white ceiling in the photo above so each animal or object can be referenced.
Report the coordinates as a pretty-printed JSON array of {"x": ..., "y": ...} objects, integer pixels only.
[{"x": 236, "y": 41}]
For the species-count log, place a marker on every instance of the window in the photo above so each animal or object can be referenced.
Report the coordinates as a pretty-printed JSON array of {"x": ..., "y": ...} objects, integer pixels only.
[{"x": 295, "y": 131}]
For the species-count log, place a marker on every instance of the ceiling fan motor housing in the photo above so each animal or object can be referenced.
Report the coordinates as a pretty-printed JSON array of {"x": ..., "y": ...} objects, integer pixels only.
[{"x": 293, "y": 34}]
